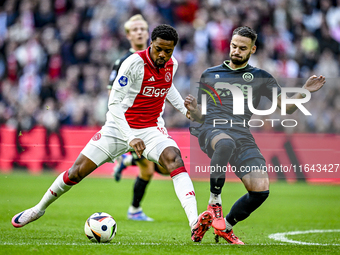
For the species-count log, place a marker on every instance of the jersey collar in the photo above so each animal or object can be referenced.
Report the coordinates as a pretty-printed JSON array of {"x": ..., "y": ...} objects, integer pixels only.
[{"x": 228, "y": 61}]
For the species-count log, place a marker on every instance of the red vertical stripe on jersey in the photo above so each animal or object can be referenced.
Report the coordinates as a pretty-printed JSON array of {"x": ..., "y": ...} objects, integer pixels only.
[{"x": 149, "y": 102}]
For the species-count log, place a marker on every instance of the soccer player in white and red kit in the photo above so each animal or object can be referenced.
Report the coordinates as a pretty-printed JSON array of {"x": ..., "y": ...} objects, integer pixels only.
[
  {"x": 134, "y": 122},
  {"x": 137, "y": 32}
]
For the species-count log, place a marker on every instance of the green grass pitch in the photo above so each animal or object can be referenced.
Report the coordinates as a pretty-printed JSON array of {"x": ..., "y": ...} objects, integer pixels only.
[{"x": 290, "y": 207}]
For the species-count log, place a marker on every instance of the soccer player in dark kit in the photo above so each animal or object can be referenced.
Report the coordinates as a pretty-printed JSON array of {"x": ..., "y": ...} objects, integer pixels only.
[{"x": 230, "y": 141}]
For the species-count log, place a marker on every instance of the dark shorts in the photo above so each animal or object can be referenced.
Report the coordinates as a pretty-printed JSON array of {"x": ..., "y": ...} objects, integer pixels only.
[
  {"x": 249, "y": 165},
  {"x": 246, "y": 149}
]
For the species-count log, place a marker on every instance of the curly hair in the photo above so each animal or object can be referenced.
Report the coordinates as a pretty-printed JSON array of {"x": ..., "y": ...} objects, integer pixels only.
[
  {"x": 165, "y": 32},
  {"x": 246, "y": 32}
]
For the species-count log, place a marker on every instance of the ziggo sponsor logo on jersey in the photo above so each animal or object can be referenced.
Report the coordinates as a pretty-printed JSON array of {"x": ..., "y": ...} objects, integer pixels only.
[{"x": 154, "y": 92}]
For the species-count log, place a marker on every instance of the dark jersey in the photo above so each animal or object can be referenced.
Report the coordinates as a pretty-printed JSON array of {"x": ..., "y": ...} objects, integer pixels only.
[
  {"x": 217, "y": 80},
  {"x": 116, "y": 67}
]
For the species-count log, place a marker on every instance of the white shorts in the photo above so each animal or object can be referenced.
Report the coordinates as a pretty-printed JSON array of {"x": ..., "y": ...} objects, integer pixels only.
[{"x": 108, "y": 144}]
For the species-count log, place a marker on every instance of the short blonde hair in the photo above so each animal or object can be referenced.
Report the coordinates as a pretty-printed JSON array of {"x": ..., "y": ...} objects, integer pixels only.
[{"x": 134, "y": 18}]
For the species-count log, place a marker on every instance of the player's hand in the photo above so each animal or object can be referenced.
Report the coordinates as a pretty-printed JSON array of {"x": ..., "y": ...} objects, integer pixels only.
[
  {"x": 194, "y": 113},
  {"x": 314, "y": 83},
  {"x": 188, "y": 115},
  {"x": 138, "y": 145},
  {"x": 190, "y": 103}
]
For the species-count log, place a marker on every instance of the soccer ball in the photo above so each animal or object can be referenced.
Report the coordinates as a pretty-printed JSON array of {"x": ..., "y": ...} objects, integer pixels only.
[{"x": 100, "y": 227}]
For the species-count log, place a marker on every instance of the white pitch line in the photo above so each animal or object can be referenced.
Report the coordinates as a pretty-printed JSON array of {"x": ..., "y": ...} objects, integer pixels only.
[
  {"x": 133, "y": 244},
  {"x": 116, "y": 244},
  {"x": 282, "y": 237},
  {"x": 277, "y": 236}
]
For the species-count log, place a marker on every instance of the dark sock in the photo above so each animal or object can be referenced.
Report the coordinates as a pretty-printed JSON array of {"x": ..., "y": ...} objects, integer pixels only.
[
  {"x": 246, "y": 205},
  {"x": 133, "y": 162},
  {"x": 223, "y": 150},
  {"x": 138, "y": 191},
  {"x": 135, "y": 159}
]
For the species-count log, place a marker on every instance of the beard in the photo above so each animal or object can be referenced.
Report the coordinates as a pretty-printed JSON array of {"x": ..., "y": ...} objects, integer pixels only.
[
  {"x": 239, "y": 61},
  {"x": 159, "y": 65}
]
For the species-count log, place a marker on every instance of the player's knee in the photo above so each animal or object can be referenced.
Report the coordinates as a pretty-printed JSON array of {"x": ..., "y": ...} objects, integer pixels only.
[
  {"x": 258, "y": 183},
  {"x": 225, "y": 145},
  {"x": 74, "y": 174},
  {"x": 81, "y": 168},
  {"x": 171, "y": 159},
  {"x": 175, "y": 161}
]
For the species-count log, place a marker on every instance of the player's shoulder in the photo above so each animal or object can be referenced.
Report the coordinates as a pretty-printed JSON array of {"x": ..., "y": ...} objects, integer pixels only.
[
  {"x": 258, "y": 71},
  {"x": 134, "y": 59},
  {"x": 174, "y": 60},
  {"x": 213, "y": 70},
  {"x": 133, "y": 66}
]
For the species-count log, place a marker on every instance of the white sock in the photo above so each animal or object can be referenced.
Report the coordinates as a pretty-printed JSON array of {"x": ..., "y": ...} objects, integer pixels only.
[
  {"x": 186, "y": 194},
  {"x": 133, "y": 209},
  {"x": 57, "y": 188},
  {"x": 215, "y": 199},
  {"x": 229, "y": 226},
  {"x": 127, "y": 161}
]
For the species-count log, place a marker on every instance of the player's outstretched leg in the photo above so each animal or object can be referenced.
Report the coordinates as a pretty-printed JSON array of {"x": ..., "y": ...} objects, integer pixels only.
[
  {"x": 80, "y": 169},
  {"x": 21, "y": 219},
  {"x": 243, "y": 207},
  {"x": 58, "y": 187}
]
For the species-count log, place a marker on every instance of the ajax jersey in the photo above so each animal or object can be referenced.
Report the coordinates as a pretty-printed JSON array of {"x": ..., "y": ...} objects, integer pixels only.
[{"x": 137, "y": 99}]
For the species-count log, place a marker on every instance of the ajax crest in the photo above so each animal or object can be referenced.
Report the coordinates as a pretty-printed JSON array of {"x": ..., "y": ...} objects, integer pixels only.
[
  {"x": 96, "y": 137},
  {"x": 167, "y": 77}
]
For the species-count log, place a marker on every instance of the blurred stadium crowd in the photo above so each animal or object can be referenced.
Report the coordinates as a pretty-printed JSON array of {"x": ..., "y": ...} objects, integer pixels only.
[{"x": 56, "y": 55}]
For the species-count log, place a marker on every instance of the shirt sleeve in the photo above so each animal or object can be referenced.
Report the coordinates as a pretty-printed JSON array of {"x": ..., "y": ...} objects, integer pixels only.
[
  {"x": 176, "y": 99},
  {"x": 124, "y": 91},
  {"x": 271, "y": 83}
]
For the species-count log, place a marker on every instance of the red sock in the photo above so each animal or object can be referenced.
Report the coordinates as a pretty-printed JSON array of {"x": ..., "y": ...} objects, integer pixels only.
[{"x": 178, "y": 171}]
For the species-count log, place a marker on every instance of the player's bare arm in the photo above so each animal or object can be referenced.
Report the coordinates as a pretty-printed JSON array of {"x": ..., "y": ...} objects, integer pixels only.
[
  {"x": 313, "y": 84},
  {"x": 194, "y": 113}
]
